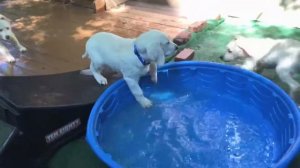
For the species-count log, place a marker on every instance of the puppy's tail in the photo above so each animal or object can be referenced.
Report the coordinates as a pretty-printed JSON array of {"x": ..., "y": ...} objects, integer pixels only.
[{"x": 84, "y": 55}]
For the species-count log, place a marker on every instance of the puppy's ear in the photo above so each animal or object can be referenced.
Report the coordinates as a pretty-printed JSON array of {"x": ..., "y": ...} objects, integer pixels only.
[
  {"x": 236, "y": 37},
  {"x": 2, "y": 17},
  {"x": 256, "y": 47},
  {"x": 155, "y": 53}
]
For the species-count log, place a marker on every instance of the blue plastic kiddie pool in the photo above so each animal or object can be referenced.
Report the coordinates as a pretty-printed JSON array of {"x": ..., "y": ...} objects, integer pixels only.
[{"x": 204, "y": 115}]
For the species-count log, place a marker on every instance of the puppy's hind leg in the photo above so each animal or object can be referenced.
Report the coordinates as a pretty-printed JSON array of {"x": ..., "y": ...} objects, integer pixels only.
[
  {"x": 137, "y": 92},
  {"x": 10, "y": 59},
  {"x": 21, "y": 47},
  {"x": 97, "y": 74},
  {"x": 6, "y": 54},
  {"x": 284, "y": 72}
]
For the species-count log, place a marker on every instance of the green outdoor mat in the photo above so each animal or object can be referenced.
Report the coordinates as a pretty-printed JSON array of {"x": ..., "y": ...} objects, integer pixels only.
[
  {"x": 5, "y": 132},
  {"x": 76, "y": 154},
  {"x": 210, "y": 43}
]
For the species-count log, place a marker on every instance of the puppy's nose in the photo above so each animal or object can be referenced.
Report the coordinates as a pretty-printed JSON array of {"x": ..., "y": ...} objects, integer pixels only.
[
  {"x": 7, "y": 37},
  {"x": 222, "y": 57}
]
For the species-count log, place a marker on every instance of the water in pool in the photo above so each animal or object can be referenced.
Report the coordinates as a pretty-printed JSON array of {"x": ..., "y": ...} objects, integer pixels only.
[{"x": 184, "y": 130}]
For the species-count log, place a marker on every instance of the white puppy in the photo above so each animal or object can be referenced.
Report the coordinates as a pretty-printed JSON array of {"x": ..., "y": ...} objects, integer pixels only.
[
  {"x": 281, "y": 54},
  {"x": 5, "y": 55},
  {"x": 7, "y": 34},
  {"x": 132, "y": 57}
]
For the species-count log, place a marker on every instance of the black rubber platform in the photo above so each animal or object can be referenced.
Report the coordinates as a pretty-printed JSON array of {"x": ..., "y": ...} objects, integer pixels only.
[
  {"x": 7, "y": 133},
  {"x": 47, "y": 110}
]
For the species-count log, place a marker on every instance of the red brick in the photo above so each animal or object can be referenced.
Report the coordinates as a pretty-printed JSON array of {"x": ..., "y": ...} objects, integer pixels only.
[
  {"x": 219, "y": 17},
  {"x": 184, "y": 55},
  {"x": 182, "y": 38},
  {"x": 197, "y": 26},
  {"x": 99, "y": 6}
]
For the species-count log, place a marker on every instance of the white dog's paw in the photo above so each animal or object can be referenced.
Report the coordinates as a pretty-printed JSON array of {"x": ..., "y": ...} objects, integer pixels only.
[
  {"x": 154, "y": 78},
  {"x": 10, "y": 59},
  {"x": 146, "y": 103},
  {"x": 247, "y": 67},
  {"x": 22, "y": 49},
  {"x": 102, "y": 81}
]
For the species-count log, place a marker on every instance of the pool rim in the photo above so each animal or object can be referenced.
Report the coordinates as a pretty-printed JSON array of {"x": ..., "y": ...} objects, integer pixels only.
[{"x": 107, "y": 158}]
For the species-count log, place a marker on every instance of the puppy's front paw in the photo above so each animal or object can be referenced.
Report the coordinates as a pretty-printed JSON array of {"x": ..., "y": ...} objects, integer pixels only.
[
  {"x": 154, "y": 78},
  {"x": 146, "y": 103},
  {"x": 102, "y": 81},
  {"x": 10, "y": 59},
  {"x": 247, "y": 67},
  {"x": 22, "y": 49}
]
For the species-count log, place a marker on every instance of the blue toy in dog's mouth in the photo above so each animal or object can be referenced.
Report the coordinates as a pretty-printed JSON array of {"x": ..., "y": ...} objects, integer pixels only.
[{"x": 205, "y": 115}]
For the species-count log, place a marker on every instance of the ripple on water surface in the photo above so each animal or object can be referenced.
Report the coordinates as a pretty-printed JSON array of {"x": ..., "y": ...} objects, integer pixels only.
[{"x": 189, "y": 130}]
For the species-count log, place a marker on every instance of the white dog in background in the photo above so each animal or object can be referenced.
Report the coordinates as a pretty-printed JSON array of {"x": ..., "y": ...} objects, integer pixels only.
[
  {"x": 132, "y": 57},
  {"x": 7, "y": 34},
  {"x": 281, "y": 54}
]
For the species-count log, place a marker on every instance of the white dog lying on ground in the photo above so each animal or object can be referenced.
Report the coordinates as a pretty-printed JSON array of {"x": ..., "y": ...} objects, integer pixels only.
[
  {"x": 7, "y": 34},
  {"x": 281, "y": 54},
  {"x": 132, "y": 57}
]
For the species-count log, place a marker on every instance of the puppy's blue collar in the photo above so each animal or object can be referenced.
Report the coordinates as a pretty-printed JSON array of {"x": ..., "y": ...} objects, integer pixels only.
[{"x": 144, "y": 62}]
